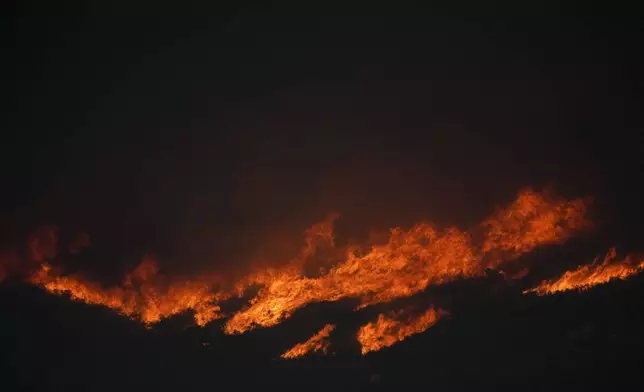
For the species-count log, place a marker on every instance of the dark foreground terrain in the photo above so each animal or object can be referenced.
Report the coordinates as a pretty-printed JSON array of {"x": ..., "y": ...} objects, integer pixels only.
[{"x": 496, "y": 339}]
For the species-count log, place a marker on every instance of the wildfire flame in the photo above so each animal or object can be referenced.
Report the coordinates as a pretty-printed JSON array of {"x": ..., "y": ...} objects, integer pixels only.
[
  {"x": 533, "y": 219},
  {"x": 415, "y": 258},
  {"x": 144, "y": 294},
  {"x": 590, "y": 275},
  {"x": 407, "y": 263},
  {"x": 316, "y": 343},
  {"x": 393, "y": 328}
]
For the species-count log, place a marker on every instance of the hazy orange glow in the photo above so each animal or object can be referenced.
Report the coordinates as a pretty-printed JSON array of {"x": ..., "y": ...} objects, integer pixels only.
[
  {"x": 393, "y": 328},
  {"x": 144, "y": 295},
  {"x": 586, "y": 276},
  {"x": 43, "y": 244},
  {"x": 316, "y": 343}
]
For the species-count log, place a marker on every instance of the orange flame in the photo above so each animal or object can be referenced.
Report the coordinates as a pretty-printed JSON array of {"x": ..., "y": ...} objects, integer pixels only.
[
  {"x": 316, "y": 343},
  {"x": 533, "y": 219},
  {"x": 391, "y": 329},
  {"x": 413, "y": 259},
  {"x": 144, "y": 295},
  {"x": 406, "y": 264},
  {"x": 587, "y": 276}
]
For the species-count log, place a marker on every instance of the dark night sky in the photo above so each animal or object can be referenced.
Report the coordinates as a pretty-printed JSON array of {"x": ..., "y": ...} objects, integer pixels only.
[{"x": 207, "y": 138}]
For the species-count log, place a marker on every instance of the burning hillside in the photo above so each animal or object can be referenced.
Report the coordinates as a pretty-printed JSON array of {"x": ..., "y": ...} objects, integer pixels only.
[
  {"x": 393, "y": 328},
  {"x": 144, "y": 295},
  {"x": 317, "y": 343},
  {"x": 410, "y": 261},
  {"x": 413, "y": 259},
  {"x": 586, "y": 276}
]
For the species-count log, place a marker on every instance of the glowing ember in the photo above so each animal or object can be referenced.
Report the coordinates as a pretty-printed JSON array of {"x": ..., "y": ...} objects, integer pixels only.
[
  {"x": 587, "y": 276},
  {"x": 316, "y": 343},
  {"x": 394, "y": 328},
  {"x": 144, "y": 295}
]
